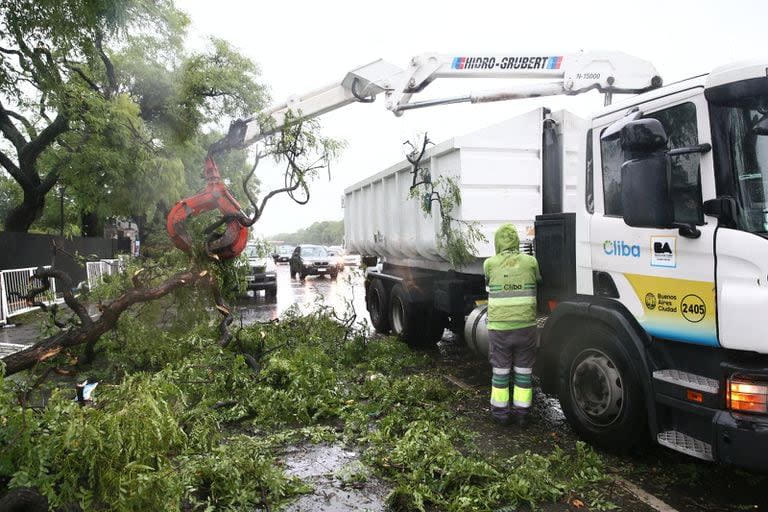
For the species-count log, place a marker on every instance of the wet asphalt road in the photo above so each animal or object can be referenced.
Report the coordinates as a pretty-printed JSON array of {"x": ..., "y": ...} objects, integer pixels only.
[
  {"x": 342, "y": 294},
  {"x": 345, "y": 295}
]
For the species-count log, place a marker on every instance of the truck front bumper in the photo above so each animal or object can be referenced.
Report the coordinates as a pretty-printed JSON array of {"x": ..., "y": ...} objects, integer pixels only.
[
  {"x": 708, "y": 427},
  {"x": 741, "y": 439}
]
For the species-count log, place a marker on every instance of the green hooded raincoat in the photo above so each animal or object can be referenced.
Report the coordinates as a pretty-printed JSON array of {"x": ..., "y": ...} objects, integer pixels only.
[{"x": 511, "y": 279}]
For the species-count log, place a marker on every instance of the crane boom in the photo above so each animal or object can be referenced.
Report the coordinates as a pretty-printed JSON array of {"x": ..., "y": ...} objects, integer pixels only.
[
  {"x": 570, "y": 74},
  {"x": 608, "y": 72}
]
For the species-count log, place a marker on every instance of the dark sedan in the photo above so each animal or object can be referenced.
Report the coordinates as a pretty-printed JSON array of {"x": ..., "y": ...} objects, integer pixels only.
[{"x": 312, "y": 260}]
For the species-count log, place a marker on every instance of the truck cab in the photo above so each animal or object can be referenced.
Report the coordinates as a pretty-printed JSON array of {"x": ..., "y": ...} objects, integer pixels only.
[{"x": 671, "y": 254}]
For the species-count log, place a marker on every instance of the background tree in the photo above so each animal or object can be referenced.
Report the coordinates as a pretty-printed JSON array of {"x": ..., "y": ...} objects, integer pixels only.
[
  {"x": 327, "y": 232},
  {"x": 101, "y": 98}
]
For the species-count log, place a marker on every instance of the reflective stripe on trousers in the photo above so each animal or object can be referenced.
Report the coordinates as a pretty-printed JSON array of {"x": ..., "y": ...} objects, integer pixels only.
[
  {"x": 522, "y": 395},
  {"x": 500, "y": 388}
]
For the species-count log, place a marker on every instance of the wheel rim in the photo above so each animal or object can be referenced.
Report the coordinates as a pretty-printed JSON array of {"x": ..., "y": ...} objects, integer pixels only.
[
  {"x": 398, "y": 316},
  {"x": 597, "y": 388}
]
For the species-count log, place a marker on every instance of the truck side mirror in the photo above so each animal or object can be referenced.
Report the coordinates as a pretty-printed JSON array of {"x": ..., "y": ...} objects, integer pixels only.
[
  {"x": 646, "y": 175},
  {"x": 645, "y": 193},
  {"x": 643, "y": 137}
]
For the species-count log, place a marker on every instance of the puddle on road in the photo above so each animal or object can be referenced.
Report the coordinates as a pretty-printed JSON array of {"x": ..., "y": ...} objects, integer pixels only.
[
  {"x": 306, "y": 295},
  {"x": 340, "y": 482}
]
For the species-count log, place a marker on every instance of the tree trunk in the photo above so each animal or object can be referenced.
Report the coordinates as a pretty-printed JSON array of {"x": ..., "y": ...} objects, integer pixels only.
[
  {"x": 90, "y": 331},
  {"x": 22, "y": 216}
]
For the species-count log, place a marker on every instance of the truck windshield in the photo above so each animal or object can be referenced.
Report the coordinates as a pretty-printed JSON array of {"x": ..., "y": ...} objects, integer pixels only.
[{"x": 739, "y": 114}]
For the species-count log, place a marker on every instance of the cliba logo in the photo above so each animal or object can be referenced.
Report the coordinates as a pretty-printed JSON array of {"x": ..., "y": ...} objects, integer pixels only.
[{"x": 621, "y": 248}]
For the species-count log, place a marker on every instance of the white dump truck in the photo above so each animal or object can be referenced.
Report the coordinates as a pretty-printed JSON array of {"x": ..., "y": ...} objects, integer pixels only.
[
  {"x": 650, "y": 224},
  {"x": 499, "y": 171}
]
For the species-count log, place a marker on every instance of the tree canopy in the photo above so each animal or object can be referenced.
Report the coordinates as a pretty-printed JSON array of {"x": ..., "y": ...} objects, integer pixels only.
[
  {"x": 101, "y": 98},
  {"x": 327, "y": 232}
]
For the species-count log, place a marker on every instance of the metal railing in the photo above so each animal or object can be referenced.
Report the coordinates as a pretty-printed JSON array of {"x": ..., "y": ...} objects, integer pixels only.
[
  {"x": 3, "y": 305},
  {"x": 15, "y": 285},
  {"x": 96, "y": 270}
]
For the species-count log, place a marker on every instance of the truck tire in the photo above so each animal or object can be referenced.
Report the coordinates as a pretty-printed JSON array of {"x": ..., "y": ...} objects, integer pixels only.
[
  {"x": 271, "y": 292},
  {"x": 377, "y": 300},
  {"x": 601, "y": 392},
  {"x": 411, "y": 322}
]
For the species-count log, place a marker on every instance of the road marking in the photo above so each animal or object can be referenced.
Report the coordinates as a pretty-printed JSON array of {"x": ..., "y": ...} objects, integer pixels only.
[{"x": 647, "y": 498}]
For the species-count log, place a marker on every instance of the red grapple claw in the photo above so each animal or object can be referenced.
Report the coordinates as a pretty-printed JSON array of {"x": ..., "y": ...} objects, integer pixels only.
[{"x": 215, "y": 195}]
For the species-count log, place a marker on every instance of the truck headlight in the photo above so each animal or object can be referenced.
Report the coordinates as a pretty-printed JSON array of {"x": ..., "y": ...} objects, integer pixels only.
[{"x": 747, "y": 395}]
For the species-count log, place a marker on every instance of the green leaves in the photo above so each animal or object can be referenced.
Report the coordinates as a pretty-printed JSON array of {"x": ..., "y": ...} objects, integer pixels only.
[
  {"x": 135, "y": 101},
  {"x": 456, "y": 237},
  {"x": 179, "y": 422},
  {"x": 218, "y": 83}
]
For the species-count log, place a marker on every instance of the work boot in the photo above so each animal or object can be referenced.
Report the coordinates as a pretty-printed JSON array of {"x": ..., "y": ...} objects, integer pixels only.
[
  {"x": 520, "y": 418},
  {"x": 500, "y": 415},
  {"x": 502, "y": 421}
]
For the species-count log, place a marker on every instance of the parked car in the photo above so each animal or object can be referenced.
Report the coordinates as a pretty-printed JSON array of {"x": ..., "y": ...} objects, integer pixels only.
[
  {"x": 283, "y": 254},
  {"x": 312, "y": 260},
  {"x": 262, "y": 271},
  {"x": 337, "y": 257}
]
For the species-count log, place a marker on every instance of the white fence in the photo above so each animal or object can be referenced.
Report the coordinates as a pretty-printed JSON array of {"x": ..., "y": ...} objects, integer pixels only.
[
  {"x": 14, "y": 287},
  {"x": 96, "y": 270},
  {"x": 16, "y": 283}
]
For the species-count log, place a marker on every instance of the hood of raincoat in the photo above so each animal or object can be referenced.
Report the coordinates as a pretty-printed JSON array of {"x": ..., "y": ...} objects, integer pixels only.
[{"x": 506, "y": 239}]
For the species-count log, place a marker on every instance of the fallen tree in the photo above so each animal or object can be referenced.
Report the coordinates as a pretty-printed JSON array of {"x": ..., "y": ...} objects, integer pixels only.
[
  {"x": 303, "y": 152},
  {"x": 88, "y": 331}
]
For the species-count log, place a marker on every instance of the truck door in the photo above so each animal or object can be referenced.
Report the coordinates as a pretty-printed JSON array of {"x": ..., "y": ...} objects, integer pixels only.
[
  {"x": 740, "y": 151},
  {"x": 666, "y": 280}
]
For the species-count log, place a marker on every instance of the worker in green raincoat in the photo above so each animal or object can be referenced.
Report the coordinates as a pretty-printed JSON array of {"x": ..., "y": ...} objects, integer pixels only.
[{"x": 512, "y": 278}]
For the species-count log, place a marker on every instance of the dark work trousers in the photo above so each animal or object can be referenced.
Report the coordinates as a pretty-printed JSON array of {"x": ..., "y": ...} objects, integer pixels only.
[{"x": 507, "y": 351}]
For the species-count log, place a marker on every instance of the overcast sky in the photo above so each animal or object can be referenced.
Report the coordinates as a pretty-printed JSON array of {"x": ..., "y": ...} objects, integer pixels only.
[{"x": 301, "y": 45}]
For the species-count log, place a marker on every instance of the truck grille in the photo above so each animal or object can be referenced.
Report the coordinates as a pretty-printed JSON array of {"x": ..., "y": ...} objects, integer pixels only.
[
  {"x": 321, "y": 263},
  {"x": 259, "y": 270}
]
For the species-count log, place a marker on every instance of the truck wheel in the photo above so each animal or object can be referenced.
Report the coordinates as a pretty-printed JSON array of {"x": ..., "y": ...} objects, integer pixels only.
[
  {"x": 600, "y": 391},
  {"x": 377, "y": 300},
  {"x": 271, "y": 292},
  {"x": 302, "y": 275},
  {"x": 333, "y": 276},
  {"x": 409, "y": 321}
]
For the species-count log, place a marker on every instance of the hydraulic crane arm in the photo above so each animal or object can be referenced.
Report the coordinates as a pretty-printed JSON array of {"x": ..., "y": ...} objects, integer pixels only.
[
  {"x": 568, "y": 74},
  {"x": 608, "y": 72}
]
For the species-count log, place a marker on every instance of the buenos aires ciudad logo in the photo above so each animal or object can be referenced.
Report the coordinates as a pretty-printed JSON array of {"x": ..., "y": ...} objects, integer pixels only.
[{"x": 621, "y": 248}]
